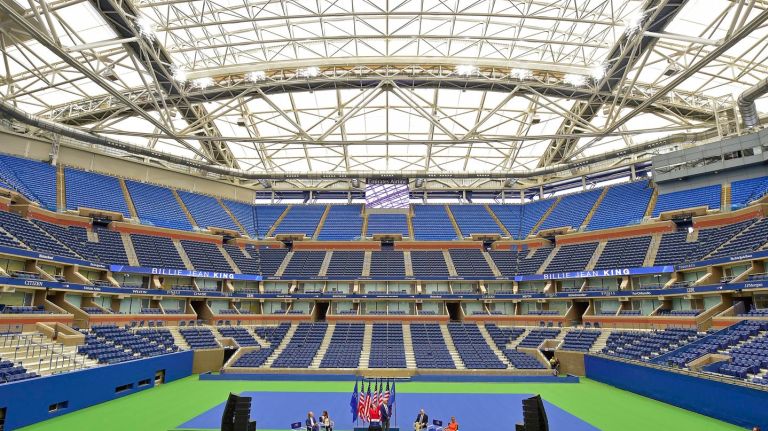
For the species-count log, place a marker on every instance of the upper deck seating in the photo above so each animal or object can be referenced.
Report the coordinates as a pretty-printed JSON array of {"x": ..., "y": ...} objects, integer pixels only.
[
  {"x": 474, "y": 219},
  {"x": 746, "y": 241},
  {"x": 622, "y": 205},
  {"x": 256, "y": 219},
  {"x": 33, "y": 236},
  {"x": 346, "y": 264},
  {"x": 387, "y": 223},
  {"x": 745, "y": 191},
  {"x": 109, "y": 247},
  {"x": 571, "y": 210},
  {"x": 91, "y": 190},
  {"x": 429, "y": 264},
  {"x": 708, "y": 196},
  {"x": 345, "y": 347},
  {"x": 470, "y": 262},
  {"x": 271, "y": 259},
  {"x": 431, "y": 222},
  {"x": 572, "y": 257},
  {"x": 206, "y": 256},
  {"x": 247, "y": 265},
  {"x": 710, "y": 239},
  {"x": 34, "y": 179},
  {"x": 519, "y": 220},
  {"x": 304, "y": 265},
  {"x": 157, "y": 206},
  {"x": 673, "y": 248},
  {"x": 206, "y": 211},
  {"x": 387, "y": 264},
  {"x": 624, "y": 253},
  {"x": 301, "y": 219},
  {"x": 156, "y": 251},
  {"x": 343, "y": 223},
  {"x": 69, "y": 238}
]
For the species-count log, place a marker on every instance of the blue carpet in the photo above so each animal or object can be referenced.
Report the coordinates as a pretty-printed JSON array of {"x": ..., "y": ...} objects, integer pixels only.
[{"x": 277, "y": 410}]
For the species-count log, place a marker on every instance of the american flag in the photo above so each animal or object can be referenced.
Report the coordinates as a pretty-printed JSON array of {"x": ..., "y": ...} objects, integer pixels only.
[
  {"x": 362, "y": 405},
  {"x": 375, "y": 401},
  {"x": 385, "y": 396}
]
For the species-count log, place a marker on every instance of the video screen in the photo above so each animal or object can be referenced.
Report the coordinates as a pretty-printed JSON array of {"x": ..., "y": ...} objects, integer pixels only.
[{"x": 386, "y": 195}]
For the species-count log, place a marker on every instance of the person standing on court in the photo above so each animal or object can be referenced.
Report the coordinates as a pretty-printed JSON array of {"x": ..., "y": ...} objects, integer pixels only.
[
  {"x": 384, "y": 412},
  {"x": 421, "y": 421},
  {"x": 375, "y": 419}
]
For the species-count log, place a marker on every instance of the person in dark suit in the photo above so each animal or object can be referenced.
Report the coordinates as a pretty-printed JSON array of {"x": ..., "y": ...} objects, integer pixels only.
[
  {"x": 421, "y": 421},
  {"x": 312, "y": 423},
  {"x": 385, "y": 414}
]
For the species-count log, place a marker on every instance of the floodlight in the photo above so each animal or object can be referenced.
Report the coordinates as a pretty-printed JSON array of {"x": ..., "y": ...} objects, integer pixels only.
[
  {"x": 203, "y": 83},
  {"x": 309, "y": 72},
  {"x": 256, "y": 75},
  {"x": 598, "y": 72},
  {"x": 466, "y": 70},
  {"x": 179, "y": 74},
  {"x": 575, "y": 79},
  {"x": 521, "y": 74},
  {"x": 635, "y": 22},
  {"x": 146, "y": 27}
]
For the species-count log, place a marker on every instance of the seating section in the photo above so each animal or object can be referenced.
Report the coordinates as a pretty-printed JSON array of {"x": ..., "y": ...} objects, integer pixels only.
[
  {"x": 431, "y": 223},
  {"x": 256, "y": 219},
  {"x": 271, "y": 259},
  {"x": 622, "y": 205},
  {"x": 580, "y": 340},
  {"x": 157, "y": 206},
  {"x": 346, "y": 264},
  {"x": 24, "y": 309},
  {"x": 303, "y": 346},
  {"x": 624, "y": 253},
  {"x": 304, "y": 265},
  {"x": 239, "y": 334},
  {"x": 519, "y": 220},
  {"x": 429, "y": 264},
  {"x": 156, "y": 251},
  {"x": 32, "y": 235},
  {"x": 91, "y": 190},
  {"x": 429, "y": 347},
  {"x": 646, "y": 345},
  {"x": 247, "y": 265},
  {"x": 522, "y": 360},
  {"x": 474, "y": 219},
  {"x": 345, "y": 347},
  {"x": 274, "y": 335},
  {"x": 745, "y": 191},
  {"x": 470, "y": 263},
  {"x": 199, "y": 338},
  {"x": 301, "y": 219},
  {"x": 387, "y": 347},
  {"x": 571, "y": 210},
  {"x": 109, "y": 247},
  {"x": 708, "y": 196},
  {"x": 572, "y": 257},
  {"x": 387, "y": 264},
  {"x": 34, "y": 179},
  {"x": 531, "y": 265},
  {"x": 206, "y": 211},
  {"x": 506, "y": 261},
  {"x": 473, "y": 350},
  {"x": 110, "y": 344},
  {"x": 710, "y": 239},
  {"x": 503, "y": 336},
  {"x": 10, "y": 372},
  {"x": 67, "y": 236},
  {"x": 746, "y": 241},
  {"x": 537, "y": 335},
  {"x": 749, "y": 358},
  {"x": 206, "y": 256},
  {"x": 343, "y": 223},
  {"x": 387, "y": 223},
  {"x": 673, "y": 248}
]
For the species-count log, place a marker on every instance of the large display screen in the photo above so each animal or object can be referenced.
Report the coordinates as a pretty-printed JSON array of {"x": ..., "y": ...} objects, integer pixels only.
[{"x": 386, "y": 194}]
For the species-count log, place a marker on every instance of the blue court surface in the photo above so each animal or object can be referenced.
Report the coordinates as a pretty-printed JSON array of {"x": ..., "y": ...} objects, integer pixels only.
[{"x": 277, "y": 410}]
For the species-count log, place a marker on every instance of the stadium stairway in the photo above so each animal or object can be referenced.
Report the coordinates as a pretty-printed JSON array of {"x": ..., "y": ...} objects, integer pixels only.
[
  {"x": 262, "y": 342},
  {"x": 178, "y": 339},
  {"x": 323, "y": 346},
  {"x": 130, "y": 252},
  {"x": 321, "y": 223},
  {"x": 232, "y": 216},
  {"x": 61, "y": 192},
  {"x": 449, "y": 263},
  {"x": 547, "y": 261},
  {"x": 128, "y": 199},
  {"x": 366, "y": 264},
  {"x": 183, "y": 254},
  {"x": 407, "y": 264},
  {"x": 271, "y": 231},
  {"x": 653, "y": 250},
  {"x": 544, "y": 217},
  {"x": 453, "y": 222},
  {"x": 498, "y": 222},
  {"x": 596, "y": 255},
  {"x": 493, "y": 346},
  {"x": 591, "y": 212},
  {"x": 365, "y": 355},
  {"x": 326, "y": 263},
  {"x": 514, "y": 343},
  {"x": 410, "y": 356},
  {"x": 228, "y": 258},
  {"x": 284, "y": 264},
  {"x": 409, "y": 222},
  {"x": 492, "y": 264},
  {"x": 184, "y": 209},
  {"x": 452, "y": 347},
  {"x": 286, "y": 340},
  {"x": 652, "y": 202}
]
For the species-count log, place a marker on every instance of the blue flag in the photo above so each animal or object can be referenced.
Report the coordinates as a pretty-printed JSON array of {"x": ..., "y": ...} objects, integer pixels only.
[
  {"x": 392, "y": 397},
  {"x": 353, "y": 403}
]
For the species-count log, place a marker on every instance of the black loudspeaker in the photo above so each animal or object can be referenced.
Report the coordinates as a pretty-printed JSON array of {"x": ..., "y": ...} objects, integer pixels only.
[
  {"x": 534, "y": 415},
  {"x": 237, "y": 414}
]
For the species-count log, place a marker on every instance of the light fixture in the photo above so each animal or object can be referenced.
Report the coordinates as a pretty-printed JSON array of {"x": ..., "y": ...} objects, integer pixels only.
[
  {"x": 597, "y": 72},
  {"x": 575, "y": 79},
  {"x": 466, "y": 70},
  {"x": 690, "y": 229},
  {"x": 521, "y": 74},
  {"x": 203, "y": 83},
  {"x": 146, "y": 27},
  {"x": 256, "y": 75},
  {"x": 179, "y": 74},
  {"x": 419, "y": 183},
  {"x": 309, "y": 72},
  {"x": 634, "y": 22}
]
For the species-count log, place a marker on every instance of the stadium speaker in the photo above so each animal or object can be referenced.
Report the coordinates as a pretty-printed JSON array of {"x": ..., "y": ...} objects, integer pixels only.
[
  {"x": 534, "y": 415},
  {"x": 237, "y": 414}
]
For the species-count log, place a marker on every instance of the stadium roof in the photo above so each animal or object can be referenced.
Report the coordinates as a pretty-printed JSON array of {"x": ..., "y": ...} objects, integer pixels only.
[{"x": 417, "y": 85}]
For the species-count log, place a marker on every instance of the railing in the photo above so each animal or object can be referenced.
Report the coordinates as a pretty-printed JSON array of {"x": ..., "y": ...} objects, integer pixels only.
[{"x": 48, "y": 354}]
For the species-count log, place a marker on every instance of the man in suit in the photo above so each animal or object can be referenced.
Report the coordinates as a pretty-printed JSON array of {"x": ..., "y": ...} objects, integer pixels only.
[
  {"x": 312, "y": 423},
  {"x": 384, "y": 413},
  {"x": 421, "y": 421}
]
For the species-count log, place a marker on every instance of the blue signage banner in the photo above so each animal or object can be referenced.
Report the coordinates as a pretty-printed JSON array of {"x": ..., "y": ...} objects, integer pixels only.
[
  {"x": 613, "y": 272},
  {"x": 723, "y": 260},
  {"x": 43, "y": 256},
  {"x": 184, "y": 273}
]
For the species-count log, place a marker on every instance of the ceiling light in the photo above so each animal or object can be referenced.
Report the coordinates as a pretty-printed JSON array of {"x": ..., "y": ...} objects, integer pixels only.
[
  {"x": 146, "y": 27},
  {"x": 634, "y": 22},
  {"x": 203, "y": 83},
  {"x": 179, "y": 74},
  {"x": 598, "y": 72},
  {"x": 256, "y": 75},
  {"x": 309, "y": 72},
  {"x": 521, "y": 73},
  {"x": 466, "y": 70},
  {"x": 575, "y": 79}
]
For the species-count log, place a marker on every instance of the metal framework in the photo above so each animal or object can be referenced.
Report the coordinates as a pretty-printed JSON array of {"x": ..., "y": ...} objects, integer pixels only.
[{"x": 281, "y": 86}]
